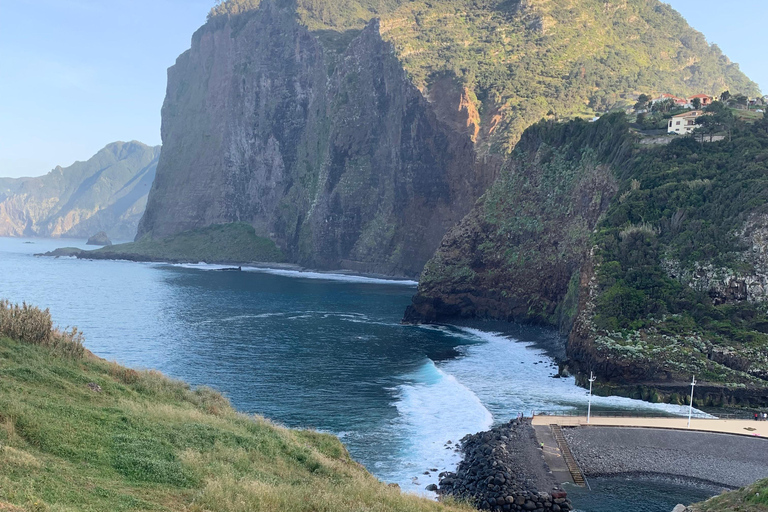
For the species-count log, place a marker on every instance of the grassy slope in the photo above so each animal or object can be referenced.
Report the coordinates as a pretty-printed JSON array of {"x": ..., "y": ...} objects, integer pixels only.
[
  {"x": 149, "y": 443},
  {"x": 753, "y": 498},
  {"x": 231, "y": 243}
]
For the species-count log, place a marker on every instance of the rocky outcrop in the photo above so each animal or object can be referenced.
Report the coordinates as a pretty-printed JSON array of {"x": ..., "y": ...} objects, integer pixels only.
[
  {"x": 726, "y": 285},
  {"x": 106, "y": 193},
  {"x": 518, "y": 254},
  {"x": 502, "y": 470},
  {"x": 338, "y": 158},
  {"x": 99, "y": 238}
]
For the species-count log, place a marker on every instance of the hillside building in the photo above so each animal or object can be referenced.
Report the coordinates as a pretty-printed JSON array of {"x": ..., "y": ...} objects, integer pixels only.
[
  {"x": 706, "y": 100},
  {"x": 685, "y": 123}
]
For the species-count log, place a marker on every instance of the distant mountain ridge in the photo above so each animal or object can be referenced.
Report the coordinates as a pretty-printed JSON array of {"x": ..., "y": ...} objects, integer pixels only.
[{"x": 107, "y": 193}]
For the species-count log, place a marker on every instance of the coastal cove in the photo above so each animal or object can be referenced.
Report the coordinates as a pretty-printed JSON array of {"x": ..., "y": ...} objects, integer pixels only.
[{"x": 304, "y": 349}]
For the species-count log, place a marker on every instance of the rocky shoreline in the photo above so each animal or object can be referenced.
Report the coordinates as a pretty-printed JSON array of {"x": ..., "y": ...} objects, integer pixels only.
[{"x": 503, "y": 470}]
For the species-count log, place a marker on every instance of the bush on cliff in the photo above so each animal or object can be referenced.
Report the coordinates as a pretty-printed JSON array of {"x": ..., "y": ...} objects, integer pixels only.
[{"x": 79, "y": 433}]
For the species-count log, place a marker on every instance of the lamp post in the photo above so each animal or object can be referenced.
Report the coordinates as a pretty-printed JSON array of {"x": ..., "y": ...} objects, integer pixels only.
[
  {"x": 589, "y": 403},
  {"x": 690, "y": 406}
]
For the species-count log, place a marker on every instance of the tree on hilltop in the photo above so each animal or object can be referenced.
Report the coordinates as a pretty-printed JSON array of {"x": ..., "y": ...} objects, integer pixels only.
[
  {"x": 696, "y": 102},
  {"x": 642, "y": 102}
]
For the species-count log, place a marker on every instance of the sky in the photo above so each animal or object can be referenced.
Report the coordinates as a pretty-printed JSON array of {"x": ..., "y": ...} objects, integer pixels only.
[{"x": 76, "y": 75}]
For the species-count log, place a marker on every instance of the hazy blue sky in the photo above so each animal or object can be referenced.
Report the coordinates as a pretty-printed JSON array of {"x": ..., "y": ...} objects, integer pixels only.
[{"x": 76, "y": 75}]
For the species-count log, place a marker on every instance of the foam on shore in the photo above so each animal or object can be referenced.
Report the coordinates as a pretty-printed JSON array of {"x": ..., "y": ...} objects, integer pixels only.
[{"x": 304, "y": 274}]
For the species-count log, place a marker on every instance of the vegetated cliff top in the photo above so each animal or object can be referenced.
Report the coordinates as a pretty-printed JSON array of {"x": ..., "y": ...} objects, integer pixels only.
[
  {"x": 520, "y": 60},
  {"x": 80, "y": 433},
  {"x": 108, "y": 192}
]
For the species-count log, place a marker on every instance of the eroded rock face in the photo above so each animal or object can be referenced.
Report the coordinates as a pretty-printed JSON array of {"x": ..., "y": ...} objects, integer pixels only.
[
  {"x": 725, "y": 285},
  {"x": 518, "y": 254},
  {"x": 337, "y": 158}
]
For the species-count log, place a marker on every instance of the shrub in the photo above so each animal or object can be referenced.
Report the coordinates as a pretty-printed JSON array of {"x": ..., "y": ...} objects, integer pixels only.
[{"x": 30, "y": 324}]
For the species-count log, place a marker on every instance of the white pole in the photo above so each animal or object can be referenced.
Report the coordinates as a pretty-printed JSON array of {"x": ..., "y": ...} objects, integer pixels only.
[
  {"x": 589, "y": 404},
  {"x": 690, "y": 406}
]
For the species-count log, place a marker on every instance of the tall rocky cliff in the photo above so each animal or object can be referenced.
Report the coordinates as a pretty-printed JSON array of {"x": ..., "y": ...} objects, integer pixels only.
[
  {"x": 338, "y": 158},
  {"x": 107, "y": 193},
  {"x": 357, "y": 143}
]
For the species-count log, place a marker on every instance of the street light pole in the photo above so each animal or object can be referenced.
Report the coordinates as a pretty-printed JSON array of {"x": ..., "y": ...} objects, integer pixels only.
[
  {"x": 690, "y": 406},
  {"x": 589, "y": 403}
]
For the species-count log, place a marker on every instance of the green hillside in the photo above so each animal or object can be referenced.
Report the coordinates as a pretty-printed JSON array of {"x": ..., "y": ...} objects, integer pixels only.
[
  {"x": 521, "y": 60},
  {"x": 80, "y": 433}
]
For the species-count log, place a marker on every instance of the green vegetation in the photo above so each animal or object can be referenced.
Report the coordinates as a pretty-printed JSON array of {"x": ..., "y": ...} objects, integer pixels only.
[
  {"x": 671, "y": 244},
  {"x": 753, "y": 498},
  {"x": 221, "y": 243},
  {"x": 80, "y": 433},
  {"x": 677, "y": 235},
  {"x": 521, "y": 61}
]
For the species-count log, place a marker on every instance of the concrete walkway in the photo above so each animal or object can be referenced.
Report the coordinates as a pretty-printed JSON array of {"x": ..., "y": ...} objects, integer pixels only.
[
  {"x": 739, "y": 427},
  {"x": 552, "y": 455}
]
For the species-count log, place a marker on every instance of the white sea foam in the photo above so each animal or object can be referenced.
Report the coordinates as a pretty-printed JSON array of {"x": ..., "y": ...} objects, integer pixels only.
[
  {"x": 304, "y": 274},
  {"x": 511, "y": 376},
  {"x": 495, "y": 378},
  {"x": 434, "y": 408},
  {"x": 238, "y": 318}
]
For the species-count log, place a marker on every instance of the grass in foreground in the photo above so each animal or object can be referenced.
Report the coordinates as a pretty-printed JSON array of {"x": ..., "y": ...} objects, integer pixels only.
[
  {"x": 231, "y": 243},
  {"x": 753, "y": 498},
  {"x": 140, "y": 441}
]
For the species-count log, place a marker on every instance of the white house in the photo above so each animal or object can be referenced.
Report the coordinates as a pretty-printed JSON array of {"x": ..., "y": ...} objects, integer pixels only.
[{"x": 685, "y": 123}]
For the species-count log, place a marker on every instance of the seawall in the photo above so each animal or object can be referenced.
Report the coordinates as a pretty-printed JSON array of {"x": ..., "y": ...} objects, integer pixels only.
[{"x": 504, "y": 470}]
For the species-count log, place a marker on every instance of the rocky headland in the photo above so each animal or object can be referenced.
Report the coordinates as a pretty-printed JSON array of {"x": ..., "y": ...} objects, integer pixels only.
[
  {"x": 355, "y": 136},
  {"x": 503, "y": 470},
  {"x": 619, "y": 247}
]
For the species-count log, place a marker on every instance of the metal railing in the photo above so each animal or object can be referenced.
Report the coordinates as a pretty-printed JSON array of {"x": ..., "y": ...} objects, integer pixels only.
[{"x": 634, "y": 414}]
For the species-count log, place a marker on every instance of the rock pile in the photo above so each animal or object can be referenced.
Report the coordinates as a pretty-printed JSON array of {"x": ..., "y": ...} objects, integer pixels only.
[{"x": 503, "y": 470}]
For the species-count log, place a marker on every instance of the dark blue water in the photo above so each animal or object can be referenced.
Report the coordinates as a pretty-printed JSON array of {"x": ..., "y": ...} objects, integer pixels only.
[
  {"x": 638, "y": 495},
  {"x": 304, "y": 349}
]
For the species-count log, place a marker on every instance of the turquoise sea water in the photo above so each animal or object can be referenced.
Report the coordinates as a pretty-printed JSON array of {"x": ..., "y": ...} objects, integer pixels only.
[{"x": 304, "y": 349}]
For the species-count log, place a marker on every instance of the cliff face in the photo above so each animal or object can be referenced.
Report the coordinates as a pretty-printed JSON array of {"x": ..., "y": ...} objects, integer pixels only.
[
  {"x": 518, "y": 254},
  {"x": 336, "y": 157},
  {"x": 106, "y": 193}
]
